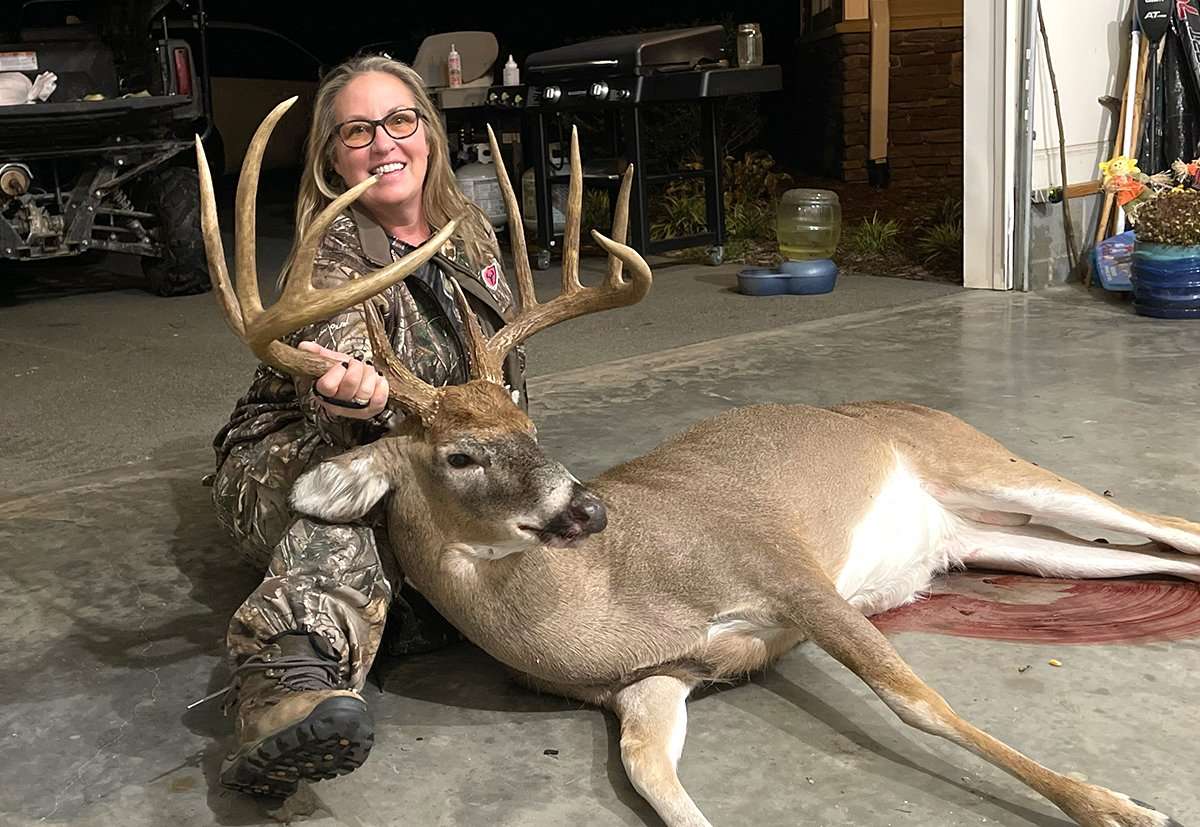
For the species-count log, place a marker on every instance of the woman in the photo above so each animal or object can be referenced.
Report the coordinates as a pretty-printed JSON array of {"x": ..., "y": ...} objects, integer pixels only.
[{"x": 303, "y": 642}]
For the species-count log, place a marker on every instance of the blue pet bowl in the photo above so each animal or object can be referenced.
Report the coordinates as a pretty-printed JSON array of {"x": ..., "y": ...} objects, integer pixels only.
[
  {"x": 762, "y": 281},
  {"x": 794, "y": 277},
  {"x": 811, "y": 276}
]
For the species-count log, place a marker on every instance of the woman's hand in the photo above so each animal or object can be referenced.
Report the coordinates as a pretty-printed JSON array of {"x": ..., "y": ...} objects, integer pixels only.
[{"x": 355, "y": 382}]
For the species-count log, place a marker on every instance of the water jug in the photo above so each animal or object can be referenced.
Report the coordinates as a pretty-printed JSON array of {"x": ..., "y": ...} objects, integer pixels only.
[{"x": 808, "y": 224}]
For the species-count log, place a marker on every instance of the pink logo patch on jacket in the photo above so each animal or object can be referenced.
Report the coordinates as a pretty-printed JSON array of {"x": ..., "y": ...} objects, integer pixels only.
[{"x": 491, "y": 274}]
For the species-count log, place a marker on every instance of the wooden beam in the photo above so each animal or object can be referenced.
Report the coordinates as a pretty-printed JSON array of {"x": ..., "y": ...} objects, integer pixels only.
[
  {"x": 904, "y": 24},
  {"x": 881, "y": 70},
  {"x": 1083, "y": 189}
]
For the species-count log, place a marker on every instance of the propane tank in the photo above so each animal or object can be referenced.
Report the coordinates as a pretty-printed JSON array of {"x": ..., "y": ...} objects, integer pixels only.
[
  {"x": 558, "y": 194},
  {"x": 477, "y": 180}
]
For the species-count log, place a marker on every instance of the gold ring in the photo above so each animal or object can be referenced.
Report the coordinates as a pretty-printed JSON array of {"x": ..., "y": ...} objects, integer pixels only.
[{"x": 358, "y": 401}]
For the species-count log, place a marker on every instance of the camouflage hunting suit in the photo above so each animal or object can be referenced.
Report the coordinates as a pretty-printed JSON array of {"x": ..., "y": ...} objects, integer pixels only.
[{"x": 341, "y": 581}]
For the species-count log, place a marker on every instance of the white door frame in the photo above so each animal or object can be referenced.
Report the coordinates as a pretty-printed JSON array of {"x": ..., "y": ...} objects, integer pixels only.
[{"x": 991, "y": 66}]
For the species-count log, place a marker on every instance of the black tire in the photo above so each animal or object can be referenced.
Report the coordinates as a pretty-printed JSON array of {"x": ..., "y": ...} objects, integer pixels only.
[{"x": 174, "y": 199}]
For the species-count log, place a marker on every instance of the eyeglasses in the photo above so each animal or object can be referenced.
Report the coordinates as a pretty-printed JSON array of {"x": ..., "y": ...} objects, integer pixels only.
[{"x": 399, "y": 123}]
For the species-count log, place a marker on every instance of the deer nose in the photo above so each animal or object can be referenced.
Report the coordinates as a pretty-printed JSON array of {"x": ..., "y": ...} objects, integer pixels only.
[{"x": 588, "y": 512}]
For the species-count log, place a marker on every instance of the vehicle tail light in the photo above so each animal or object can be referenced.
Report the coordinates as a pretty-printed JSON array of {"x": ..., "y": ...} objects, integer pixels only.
[{"x": 183, "y": 72}]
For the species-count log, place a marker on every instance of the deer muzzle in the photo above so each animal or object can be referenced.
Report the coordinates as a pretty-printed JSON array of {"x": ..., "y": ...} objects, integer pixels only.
[{"x": 585, "y": 514}]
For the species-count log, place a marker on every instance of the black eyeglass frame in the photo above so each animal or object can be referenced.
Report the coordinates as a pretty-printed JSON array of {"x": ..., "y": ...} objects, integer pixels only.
[{"x": 376, "y": 124}]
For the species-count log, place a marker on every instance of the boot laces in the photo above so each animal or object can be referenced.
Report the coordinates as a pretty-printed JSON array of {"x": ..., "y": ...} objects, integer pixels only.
[{"x": 295, "y": 673}]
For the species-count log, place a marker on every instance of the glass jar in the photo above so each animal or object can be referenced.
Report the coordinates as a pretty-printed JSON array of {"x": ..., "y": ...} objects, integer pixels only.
[
  {"x": 749, "y": 45},
  {"x": 808, "y": 224}
]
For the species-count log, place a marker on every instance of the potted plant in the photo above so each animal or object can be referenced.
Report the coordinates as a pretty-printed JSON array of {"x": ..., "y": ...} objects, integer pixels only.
[{"x": 1165, "y": 211}]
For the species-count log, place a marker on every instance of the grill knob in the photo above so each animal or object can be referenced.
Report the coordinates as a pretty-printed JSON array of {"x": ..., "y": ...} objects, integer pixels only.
[
  {"x": 599, "y": 90},
  {"x": 621, "y": 94},
  {"x": 551, "y": 94}
]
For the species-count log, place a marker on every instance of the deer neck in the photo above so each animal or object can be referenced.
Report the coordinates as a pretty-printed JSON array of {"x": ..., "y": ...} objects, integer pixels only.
[{"x": 516, "y": 607}]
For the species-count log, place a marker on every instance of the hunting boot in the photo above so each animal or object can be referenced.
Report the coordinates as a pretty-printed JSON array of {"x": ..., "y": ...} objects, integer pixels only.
[{"x": 295, "y": 719}]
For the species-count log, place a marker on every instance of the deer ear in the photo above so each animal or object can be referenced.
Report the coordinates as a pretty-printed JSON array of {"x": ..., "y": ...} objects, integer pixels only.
[{"x": 342, "y": 489}]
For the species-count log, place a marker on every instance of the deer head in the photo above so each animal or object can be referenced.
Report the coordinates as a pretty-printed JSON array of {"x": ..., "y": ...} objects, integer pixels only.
[{"x": 469, "y": 449}]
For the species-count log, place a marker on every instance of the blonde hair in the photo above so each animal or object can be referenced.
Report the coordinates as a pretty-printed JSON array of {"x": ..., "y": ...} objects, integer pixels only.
[{"x": 441, "y": 198}]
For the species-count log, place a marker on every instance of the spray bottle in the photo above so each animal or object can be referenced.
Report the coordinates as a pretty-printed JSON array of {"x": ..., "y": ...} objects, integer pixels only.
[{"x": 454, "y": 67}]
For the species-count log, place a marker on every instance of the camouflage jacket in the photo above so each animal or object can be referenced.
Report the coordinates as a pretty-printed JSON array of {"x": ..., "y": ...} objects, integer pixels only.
[{"x": 421, "y": 319}]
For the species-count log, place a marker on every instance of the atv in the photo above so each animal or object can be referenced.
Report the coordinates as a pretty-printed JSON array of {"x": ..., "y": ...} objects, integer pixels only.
[{"x": 106, "y": 161}]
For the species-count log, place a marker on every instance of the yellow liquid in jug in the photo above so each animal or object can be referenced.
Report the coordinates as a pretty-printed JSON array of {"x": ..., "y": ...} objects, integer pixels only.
[{"x": 800, "y": 243}]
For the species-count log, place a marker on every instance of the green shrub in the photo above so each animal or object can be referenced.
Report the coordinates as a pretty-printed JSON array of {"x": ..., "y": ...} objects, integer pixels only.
[
  {"x": 873, "y": 237},
  {"x": 751, "y": 187},
  {"x": 595, "y": 213},
  {"x": 941, "y": 243},
  {"x": 948, "y": 211}
]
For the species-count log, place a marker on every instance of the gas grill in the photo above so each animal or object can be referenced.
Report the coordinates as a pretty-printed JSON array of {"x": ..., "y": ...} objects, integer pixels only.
[{"x": 623, "y": 75}]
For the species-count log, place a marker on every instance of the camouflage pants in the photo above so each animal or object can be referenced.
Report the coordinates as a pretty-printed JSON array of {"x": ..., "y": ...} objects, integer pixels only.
[{"x": 338, "y": 581}]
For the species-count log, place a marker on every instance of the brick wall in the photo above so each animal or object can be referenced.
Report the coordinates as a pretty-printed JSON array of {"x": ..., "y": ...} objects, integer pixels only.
[{"x": 925, "y": 104}]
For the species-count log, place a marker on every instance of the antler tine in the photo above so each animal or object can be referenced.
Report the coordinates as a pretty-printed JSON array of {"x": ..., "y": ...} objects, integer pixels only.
[
  {"x": 301, "y": 302},
  {"x": 620, "y": 226},
  {"x": 526, "y": 297},
  {"x": 245, "y": 265},
  {"x": 484, "y": 363},
  {"x": 570, "y": 254},
  {"x": 410, "y": 393},
  {"x": 218, "y": 271},
  {"x": 633, "y": 289},
  {"x": 579, "y": 300}
]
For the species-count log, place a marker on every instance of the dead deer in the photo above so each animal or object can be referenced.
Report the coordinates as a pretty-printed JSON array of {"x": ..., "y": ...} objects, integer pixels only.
[{"x": 621, "y": 592}]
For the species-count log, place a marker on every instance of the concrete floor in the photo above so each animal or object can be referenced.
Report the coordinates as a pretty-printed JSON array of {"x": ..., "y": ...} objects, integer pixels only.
[{"x": 118, "y": 584}]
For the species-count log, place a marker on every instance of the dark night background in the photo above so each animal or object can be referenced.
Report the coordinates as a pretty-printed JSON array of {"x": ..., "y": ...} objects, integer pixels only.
[
  {"x": 520, "y": 27},
  {"x": 333, "y": 32}
]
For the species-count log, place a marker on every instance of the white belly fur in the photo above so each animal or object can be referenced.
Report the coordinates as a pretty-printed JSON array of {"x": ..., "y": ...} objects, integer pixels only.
[{"x": 903, "y": 541}]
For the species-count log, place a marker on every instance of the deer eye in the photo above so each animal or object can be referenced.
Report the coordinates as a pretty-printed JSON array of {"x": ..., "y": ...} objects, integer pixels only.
[{"x": 460, "y": 460}]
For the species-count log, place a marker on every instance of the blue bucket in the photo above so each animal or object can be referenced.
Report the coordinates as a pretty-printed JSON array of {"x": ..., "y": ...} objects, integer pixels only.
[{"x": 1166, "y": 280}]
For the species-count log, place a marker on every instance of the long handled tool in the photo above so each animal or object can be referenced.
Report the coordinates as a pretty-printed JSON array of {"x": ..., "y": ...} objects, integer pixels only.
[
  {"x": 1126, "y": 126},
  {"x": 1154, "y": 17}
]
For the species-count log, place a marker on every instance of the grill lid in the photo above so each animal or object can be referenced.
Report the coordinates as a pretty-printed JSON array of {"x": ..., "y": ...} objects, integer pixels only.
[{"x": 641, "y": 53}]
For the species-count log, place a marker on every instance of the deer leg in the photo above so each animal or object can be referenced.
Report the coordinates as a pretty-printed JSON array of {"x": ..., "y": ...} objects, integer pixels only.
[
  {"x": 1048, "y": 498},
  {"x": 653, "y": 716},
  {"x": 1049, "y": 552},
  {"x": 848, "y": 636}
]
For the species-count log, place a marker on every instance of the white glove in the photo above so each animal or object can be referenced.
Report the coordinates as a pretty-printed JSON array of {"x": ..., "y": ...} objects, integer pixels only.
[{"x": 43, "y": 86}]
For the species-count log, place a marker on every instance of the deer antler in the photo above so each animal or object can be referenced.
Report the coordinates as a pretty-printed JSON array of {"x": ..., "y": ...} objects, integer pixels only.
[
  {"x": 486, "y": 356},
  {"x": 301, "y": 303},
  {"x": 574, "y": 299}
]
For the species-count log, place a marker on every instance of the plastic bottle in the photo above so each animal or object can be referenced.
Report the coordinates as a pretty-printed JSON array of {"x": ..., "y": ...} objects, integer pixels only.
[
  {"x": 454, "y": 67},
  {"x": 512, "y": 75},
  {"x": 808, "y": 224}
]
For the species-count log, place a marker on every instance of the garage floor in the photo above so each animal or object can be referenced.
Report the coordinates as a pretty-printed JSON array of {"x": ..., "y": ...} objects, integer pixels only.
[{"x": 118, "y": 584}]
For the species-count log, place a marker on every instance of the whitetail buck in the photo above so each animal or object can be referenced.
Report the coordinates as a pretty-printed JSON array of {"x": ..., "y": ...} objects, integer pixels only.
[{"x": 705, "y": 559}]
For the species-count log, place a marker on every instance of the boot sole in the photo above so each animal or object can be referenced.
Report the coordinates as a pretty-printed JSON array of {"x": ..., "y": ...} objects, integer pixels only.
[{"x": 333, "y": 740}]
